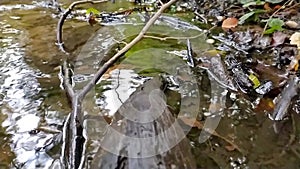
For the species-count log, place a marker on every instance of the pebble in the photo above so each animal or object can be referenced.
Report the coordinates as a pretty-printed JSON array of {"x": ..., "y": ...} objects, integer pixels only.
[
  {"x": 291, "y": 24},
  {"x": 210, "y": 41}
]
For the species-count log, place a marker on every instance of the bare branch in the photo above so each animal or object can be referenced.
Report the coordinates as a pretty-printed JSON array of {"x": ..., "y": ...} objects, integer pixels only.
[
  {"x": 62, "y": 19},
  {"x": 111, "y": 61},
  {"x": 178, "y": 38},
  {"x": 66, "y": 80},
  {"x": 73, "y": 136}
]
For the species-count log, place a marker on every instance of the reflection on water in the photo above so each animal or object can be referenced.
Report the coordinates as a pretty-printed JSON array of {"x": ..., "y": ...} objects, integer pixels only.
[
  {"x": 122, "y": 84},
  {"x": 19, "y": 87},
  {"x": 30, "y": 96}
]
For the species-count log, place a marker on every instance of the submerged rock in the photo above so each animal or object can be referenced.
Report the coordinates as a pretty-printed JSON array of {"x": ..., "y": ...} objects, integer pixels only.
[{"x": 144, "y": 134}]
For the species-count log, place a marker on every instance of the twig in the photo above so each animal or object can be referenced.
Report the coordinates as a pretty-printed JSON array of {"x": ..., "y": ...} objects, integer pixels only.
[
  {"x": 266, "y": 25},
  {"x": 178, "y": 38},
  {"x": 294, "y": 6},
  {"x": 111, "y": 61},
  {"x": 62, "y": 19},
  {"x": 214, "y": 133},
  {"x": 200, "y": 16},
  {"x": 48, "y": 130},
  {"x": 172, "y": 37}
]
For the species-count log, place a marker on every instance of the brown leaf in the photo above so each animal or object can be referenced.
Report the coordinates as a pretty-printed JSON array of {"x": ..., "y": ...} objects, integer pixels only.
[
  {"x": 230, "y": 148},
  {"x": 277, "y": 7},
  {"x": 267, "y": 72},
  {"x": 192, "y": 122},
  {"x": 92, "y": 20},
  {"x": 267, "y": 7},
  {"x": 230, "y": 23},
  {"x": 265, "y": 104},
  {"x": 278, "y": 38}
]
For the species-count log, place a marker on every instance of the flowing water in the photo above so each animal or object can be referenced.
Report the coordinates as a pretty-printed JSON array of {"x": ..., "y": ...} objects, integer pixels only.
[{"x": 33, "y": 105}]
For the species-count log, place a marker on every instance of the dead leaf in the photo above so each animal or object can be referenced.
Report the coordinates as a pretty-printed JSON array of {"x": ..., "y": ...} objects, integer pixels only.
[
  {"x": 92, "y": 20},
  {"x": 230, "y": 148},
  {"x": 192, "y": 122},
  {"x": 295, "y": 39},
  {"x": 294, "y": 65},
  {"x": 267, "y": 7},
  {"x": 265, "y": 104},
  {"x": 277, "y": 7},
  {"x": 278, "y": 38},
  {"x": 230, "y": 23}
]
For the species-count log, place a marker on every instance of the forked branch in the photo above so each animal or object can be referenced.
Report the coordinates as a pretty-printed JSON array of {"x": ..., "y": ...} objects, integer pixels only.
[{"x": 74, "y": 139}]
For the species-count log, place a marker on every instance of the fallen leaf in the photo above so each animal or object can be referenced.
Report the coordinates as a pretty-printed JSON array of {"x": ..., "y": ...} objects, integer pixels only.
[
  {"x": 230, "y": 148},
  {"x": 267, "y": 7},
  {"x": 295, "y": 39},
  {"x": 254, "y": 80},
  {"x": 277, "y": 7},
  {"x": 294, "y": 65},
  {"x": 192, "y": 122},
  {"x": 278, "y": 38},
  {"x": 92, "y": 20},
  {"x": 265, "y": 104},
  {"x": 230, "y": 23}
]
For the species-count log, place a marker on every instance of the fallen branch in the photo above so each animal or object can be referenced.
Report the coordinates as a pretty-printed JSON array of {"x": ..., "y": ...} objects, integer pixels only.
[
  {"x": 111, "y": 61},
  {"x": 179, "y": 38},
  {"x": 73, "y": 138}
]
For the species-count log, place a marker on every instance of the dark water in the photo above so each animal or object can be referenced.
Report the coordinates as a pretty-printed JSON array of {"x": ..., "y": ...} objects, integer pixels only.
[{"x": 33, "y": 105}]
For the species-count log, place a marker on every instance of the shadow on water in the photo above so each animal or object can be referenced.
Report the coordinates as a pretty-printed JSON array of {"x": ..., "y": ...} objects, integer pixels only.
[{"x": 33, "y": 106}]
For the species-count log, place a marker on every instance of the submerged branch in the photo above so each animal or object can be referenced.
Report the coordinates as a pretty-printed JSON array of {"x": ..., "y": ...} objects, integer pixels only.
[
  {"x": 73, "y": 134},
  {"x": 111, "y": 61}
]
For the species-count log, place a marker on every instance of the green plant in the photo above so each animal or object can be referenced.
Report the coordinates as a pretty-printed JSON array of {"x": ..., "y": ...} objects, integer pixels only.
[
  {"x": 93, "y": 11},
  {"x": 253, "y": 14},
  {"x": 247, "y": 3},
  {"x": 274, "y": 24}
]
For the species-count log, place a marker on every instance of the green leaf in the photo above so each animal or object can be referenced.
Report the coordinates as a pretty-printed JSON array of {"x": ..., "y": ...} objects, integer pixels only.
[
  {"x": 275, "y": 23},
  {"x": 246, "y": 1},
  {"x": 260, "y": 2},
  {"x": 245, "y": 17},
  {"x": 248, "y": 15},
  {"x": 249, "y": 4},
  {"x": 92, "y": 10},
  {"x": 270, "y": 31},
  {"x": 274, "y": 1}
]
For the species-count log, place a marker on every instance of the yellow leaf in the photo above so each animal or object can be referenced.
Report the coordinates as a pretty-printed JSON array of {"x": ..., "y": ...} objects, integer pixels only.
[{"x": 255, "y": 80}]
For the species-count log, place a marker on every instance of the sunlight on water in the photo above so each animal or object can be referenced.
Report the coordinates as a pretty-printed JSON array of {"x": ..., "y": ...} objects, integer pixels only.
[
  {"x": 19, "y": 87},
  {"x": 123, "y": 84}
]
